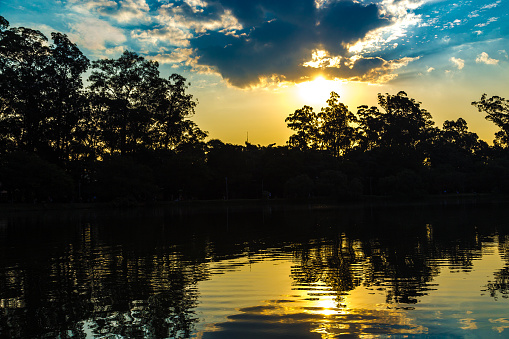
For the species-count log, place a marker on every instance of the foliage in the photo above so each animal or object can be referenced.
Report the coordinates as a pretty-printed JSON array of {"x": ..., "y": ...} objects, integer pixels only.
[
  {"x": 121, "y": 177},
  {"x": 403, "y": 123},
  {"x": 305, "y": 122},
  {"x": 336, "y": 132},
  {"x": 299, "y": 187},
  {"x": 41, "y": 92},
  {"x": 136, "y": 108},
  {"x": 128, "y": 135},
  {"x": 497, "y": 111},
  {"x": 28, "y": 178},
  {"x": 332, "y": 129}
]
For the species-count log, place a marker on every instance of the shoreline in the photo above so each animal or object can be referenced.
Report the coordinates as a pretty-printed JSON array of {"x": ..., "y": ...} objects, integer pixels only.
[{"x": 442, "y": 199}]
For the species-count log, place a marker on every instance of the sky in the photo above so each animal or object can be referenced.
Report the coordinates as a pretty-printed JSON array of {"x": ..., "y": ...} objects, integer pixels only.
[{"x": 251, "y": 63}]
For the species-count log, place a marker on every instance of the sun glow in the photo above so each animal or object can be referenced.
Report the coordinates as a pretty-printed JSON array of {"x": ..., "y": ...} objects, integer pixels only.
[{"x": 317, "y": 91}]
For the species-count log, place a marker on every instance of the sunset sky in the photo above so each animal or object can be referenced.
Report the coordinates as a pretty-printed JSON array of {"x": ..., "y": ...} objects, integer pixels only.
[{"x": 252, "y": 63}]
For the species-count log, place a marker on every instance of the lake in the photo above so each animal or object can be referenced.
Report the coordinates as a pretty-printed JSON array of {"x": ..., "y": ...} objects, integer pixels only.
[{"x": 264, "y": 271}]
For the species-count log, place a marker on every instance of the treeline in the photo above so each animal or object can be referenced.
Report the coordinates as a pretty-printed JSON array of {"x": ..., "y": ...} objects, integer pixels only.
[{"x": 127, "y": 136}]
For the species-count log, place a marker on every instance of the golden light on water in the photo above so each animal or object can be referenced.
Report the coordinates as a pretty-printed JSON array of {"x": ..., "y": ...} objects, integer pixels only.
[
  {"x": 327, "y": 306},
  {"x": 277, "y": 295}
]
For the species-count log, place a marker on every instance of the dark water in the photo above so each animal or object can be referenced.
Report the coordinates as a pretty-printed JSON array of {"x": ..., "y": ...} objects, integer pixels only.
[{"x": 259, "y": 272}]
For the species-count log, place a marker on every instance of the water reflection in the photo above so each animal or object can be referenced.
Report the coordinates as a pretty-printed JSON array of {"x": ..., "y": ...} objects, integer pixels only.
[{"x": 271, "y": 272}]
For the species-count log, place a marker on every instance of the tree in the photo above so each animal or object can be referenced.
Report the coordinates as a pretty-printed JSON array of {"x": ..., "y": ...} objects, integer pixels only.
[
  {"x": 497, "y": 111},
  {"x": 331, "y": 129},
  {"x": 174, "y": 105},
  {"x": 336, "y": 132},
  {"x": 41, "y": 91},
  {"x": 371, "y": 127},
  {"x": 25, "y": 91},
  {"x": 305, "y": 122},
  {"x": 29, "y": 178},
  {"x": 122, "y": 92},
  {"x": 136, "y": 108},
  {"x": 456, "y": 133},
  {"x": 68, "y": 105},
  {"x": 396, "y": 135},
  {"x": 405, "y": 122}
]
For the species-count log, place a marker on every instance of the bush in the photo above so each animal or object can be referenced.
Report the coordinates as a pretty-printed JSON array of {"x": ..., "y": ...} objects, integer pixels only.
[
  {"x": 28, "y": 178},
  {"x": 121, "y": 177},
  {"x": 299, "y": 187}
]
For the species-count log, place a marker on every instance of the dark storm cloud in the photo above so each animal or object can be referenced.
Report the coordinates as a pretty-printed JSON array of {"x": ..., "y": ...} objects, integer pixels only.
[
  {"x": 252, "y": 13},
  {"x": 346, "y": 21},
  {"x": 272, "y": 48},
  {"x": 279, "y": 36}
]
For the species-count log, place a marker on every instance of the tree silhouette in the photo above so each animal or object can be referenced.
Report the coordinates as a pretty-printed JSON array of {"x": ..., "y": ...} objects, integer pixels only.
[
  {"x": 336, "y": 133},
  {"x": 304, "y": 122},
  {"x": 122, "y": 92},
  {"x": 42, "y": 99},
  {"x": 25, "y": 87},
  {"x": 68, "y": 111},
  {"x": 136, "y": 108},
  {"x": 174, "y": 105},
  {"x": 403, "y": 122},
  {"x": 497, "y": 111},
  {"x": 331, "y": 129}
]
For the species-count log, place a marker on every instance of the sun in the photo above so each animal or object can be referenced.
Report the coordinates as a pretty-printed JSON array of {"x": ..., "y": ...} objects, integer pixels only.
[{"x": 317, "y": 91}]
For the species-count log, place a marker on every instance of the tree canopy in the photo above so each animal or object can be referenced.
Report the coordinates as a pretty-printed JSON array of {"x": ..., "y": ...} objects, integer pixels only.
[
  {"x": 497, "y": 111},
  {"x": 127, "y": 135}
]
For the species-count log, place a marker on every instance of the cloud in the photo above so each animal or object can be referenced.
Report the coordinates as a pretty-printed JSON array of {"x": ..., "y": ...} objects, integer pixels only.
[
  {"x": 485, "y": 59},
  {"x": 492, "y": 5},
  {"x": 186, "y": 17},
  {"x": 248, "y": 42},
  {"x": 167, "y": 35},
  {"x": 278, "y": 38},
  {"x": 123, "y": 11},
  {"x": 460, "y": 63},
  {"x": 95, "y": 34},
  {"x": 177, "y": 56},
  {"x": 484, "y": 24}
]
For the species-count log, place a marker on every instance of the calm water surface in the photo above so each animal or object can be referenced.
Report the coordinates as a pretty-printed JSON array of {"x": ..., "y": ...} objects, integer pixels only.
[{"x": 306, "y": 271}]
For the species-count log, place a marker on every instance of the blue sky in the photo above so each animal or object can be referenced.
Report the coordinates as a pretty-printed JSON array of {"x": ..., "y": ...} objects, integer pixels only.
[{"x": 246, "y": 59}]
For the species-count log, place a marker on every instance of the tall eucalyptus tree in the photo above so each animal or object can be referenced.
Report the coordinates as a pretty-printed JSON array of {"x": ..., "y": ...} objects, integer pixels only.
[
  {"x": 136, "y": 108},
  {"x": 41, "y": 98},
  {"x": 497, "y": 111},
  {"x": 25, "y": 91}
]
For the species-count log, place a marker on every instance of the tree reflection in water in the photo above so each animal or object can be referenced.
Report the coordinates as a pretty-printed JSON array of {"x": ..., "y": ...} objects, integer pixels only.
[
  {"x": 136, "y": 273},
  {"x": 499, "y": 287},
  {"x": 90, "y": 287}
]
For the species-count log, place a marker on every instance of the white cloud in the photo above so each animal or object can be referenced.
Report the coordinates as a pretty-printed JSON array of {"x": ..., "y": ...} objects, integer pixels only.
[
  {"x": 169, "y": 35},
  {"x": 322, "y": 59},
  {"x": 386, "y": 72},
  {"x": 132, "y": 10},
  {"x": 474, "y": 14},
  {"x": 430, "y": 69},
  {"x": 456, "y": 22},
  {"x": 124, "y": 11},
  {"x": 178, "y": 55},
  {"x": 196, "y": 5},
  {"x": 493, "y": 5},
  {"x": 460, "y": 63},
  {"x": 485, "y": 59},
  {"x": 95, "y": 34},
  {"x": 401, "y": 14},
  {"x": 490, "y": 20}
]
